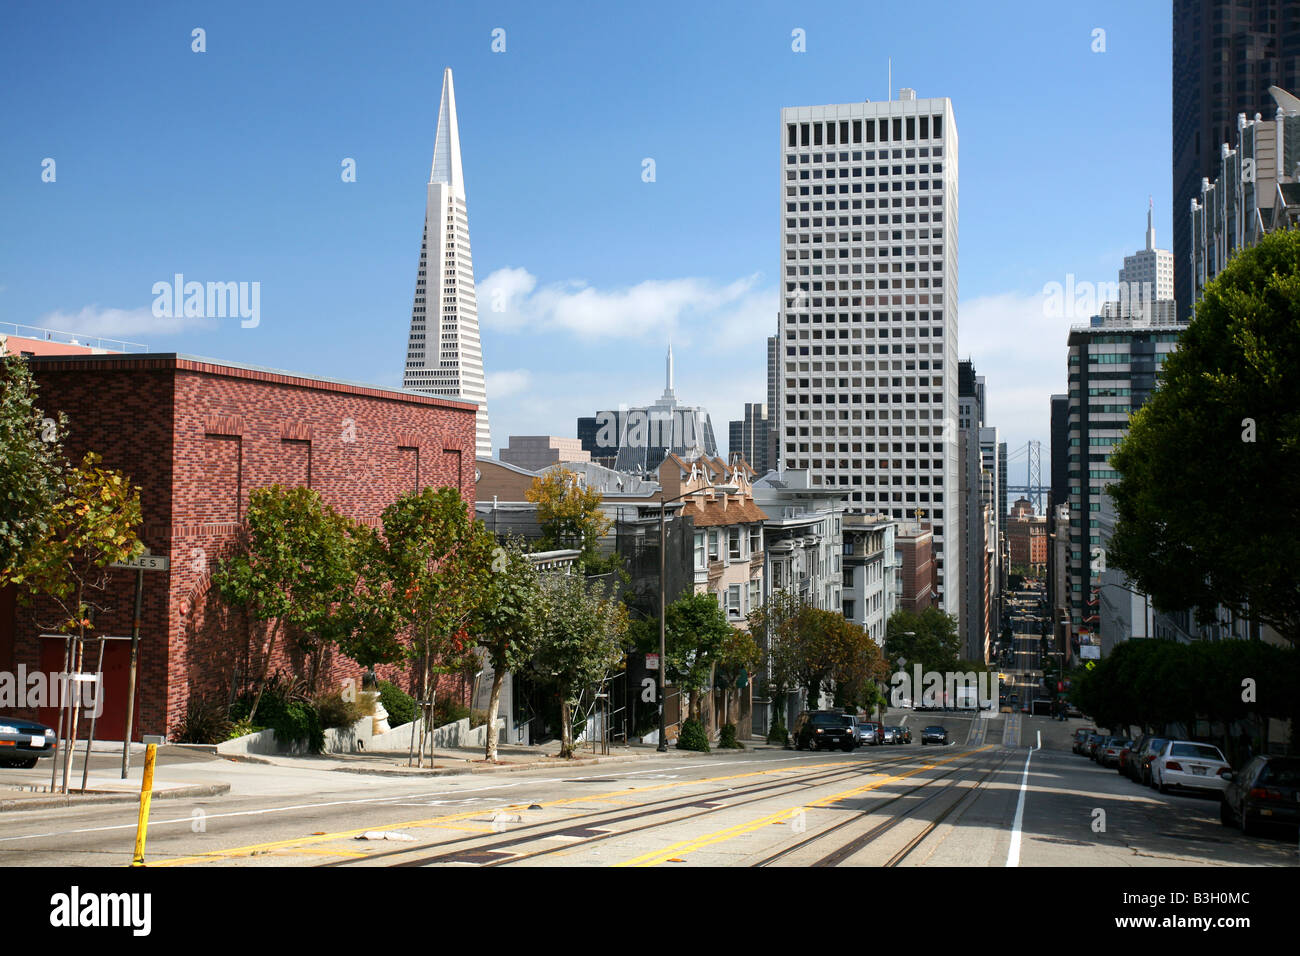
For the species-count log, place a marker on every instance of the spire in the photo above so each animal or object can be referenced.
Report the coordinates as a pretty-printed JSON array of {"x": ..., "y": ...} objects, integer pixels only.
[
  {"x": 1151, "y": 228},
  {"x": 446, "y": 148},
  {"x": 668, "y": 388}
]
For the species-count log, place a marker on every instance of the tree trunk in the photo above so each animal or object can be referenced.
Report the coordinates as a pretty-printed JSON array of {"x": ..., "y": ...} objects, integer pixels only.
[
  {"x": 566, "y": 728},
  {"x": 493, "y": 702}
]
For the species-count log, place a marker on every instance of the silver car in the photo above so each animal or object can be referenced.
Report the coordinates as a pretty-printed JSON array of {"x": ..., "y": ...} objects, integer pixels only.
[{"x": 1189, "y": 765}]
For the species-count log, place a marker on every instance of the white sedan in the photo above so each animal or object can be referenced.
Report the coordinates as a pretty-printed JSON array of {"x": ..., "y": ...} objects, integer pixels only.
[{"x": 1187, "y": 764}]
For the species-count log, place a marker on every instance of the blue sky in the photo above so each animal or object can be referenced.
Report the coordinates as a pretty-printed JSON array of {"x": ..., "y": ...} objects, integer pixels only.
[{"x": 225, "y": 166}]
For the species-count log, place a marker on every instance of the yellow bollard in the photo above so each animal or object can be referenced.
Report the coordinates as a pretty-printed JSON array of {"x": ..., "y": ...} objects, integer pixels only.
[{"x": 146, "y": 797}]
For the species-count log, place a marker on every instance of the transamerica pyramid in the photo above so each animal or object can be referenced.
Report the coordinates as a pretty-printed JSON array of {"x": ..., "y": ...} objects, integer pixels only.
[{"x": 444, "y": 356}]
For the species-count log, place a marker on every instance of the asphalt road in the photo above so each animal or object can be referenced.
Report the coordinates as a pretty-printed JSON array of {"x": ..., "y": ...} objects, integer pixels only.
[{"x": 965, "y": 804}]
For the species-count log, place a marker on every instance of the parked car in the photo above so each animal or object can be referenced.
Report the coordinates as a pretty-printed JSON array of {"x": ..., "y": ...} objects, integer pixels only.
[
  {"x": 890, "y": 735},
  {"x": 1140, "y": 766},
  {"x": 817, "y": 729},
  {"x": 1189, "y": 765},
  {"x": 1108, "y": 752},
  {"x": 868, "y": 732},
  {"x": 1094, "y": 741},
  {"x": 1080, "y": 736},
  {"x": 934, "y": 735},
  {"x": 23, "y": 742},
  {"x": 1266, "y": 790}
]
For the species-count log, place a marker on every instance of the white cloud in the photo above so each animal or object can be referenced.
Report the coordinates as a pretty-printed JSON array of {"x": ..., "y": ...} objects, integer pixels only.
[
  {"x": 117, "y": 323},
  {"x": 505, "y": 383},
  {"x": 1022, "y": 354},
  {"x": 511, "y": 299}
]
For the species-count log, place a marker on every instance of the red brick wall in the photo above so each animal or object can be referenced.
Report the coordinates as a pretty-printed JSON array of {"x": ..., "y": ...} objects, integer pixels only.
[{"x": 198, "y": 438}]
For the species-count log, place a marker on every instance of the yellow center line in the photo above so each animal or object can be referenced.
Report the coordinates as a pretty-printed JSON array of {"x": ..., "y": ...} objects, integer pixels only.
[
  {"x": 655, "y": 857},
  {"x": 257, "y": 849}
]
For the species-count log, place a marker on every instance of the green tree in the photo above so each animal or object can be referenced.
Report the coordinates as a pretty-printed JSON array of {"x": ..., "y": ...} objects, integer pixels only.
[
  {"x": 32, "y": 466},
  {"x": 505, "y": 623},
  {"x": 93, "y": 524},
  {"x": 696, "y": 632},
  {"x": 569, "y": 514},
  {"x": 290, "y": 573},
  {"x": 775, "y": 626},
  {"x": 929, "y": 639},
  {"x": 439, "y": 562},
  {"x": 738, "y": 658},
  {"x": 580, "y": 640},
  {"x": 1206, "y": 505}
]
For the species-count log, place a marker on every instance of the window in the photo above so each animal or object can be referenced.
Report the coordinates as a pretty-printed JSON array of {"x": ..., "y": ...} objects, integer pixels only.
[
  {"x": 733, "y": 544},
  {"x": 848, "y": 580},
  {"x": 713, "y": 546},
  {"x": 733, "y": 601},
  {"x": 848, "y": 609},
  {"x": 700, "y": 564},
  {"x": 755, "y": 595},
  {"x": 755, "y": 539}
]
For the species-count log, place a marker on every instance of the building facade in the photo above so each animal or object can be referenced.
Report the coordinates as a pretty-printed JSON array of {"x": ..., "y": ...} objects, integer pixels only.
[
  {"x": 867, "y": 332},
  {"x": 444, "y": 356},
  {"x": 751, "y": 437},
  {"x": 869, "y": 578},
  {"x": 198, "y": 436},
  {"x": 535, "y": 452},
  {"x": 1226, "y": 55}
]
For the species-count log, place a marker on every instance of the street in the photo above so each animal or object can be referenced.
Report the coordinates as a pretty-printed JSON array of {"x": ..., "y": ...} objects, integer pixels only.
[{"x": 909, "y": 805}]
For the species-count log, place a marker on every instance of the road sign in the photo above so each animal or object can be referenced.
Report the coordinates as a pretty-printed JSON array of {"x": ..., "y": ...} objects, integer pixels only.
[
  {"x": 652, "y": 662},
  {"x": 145, "y": 562}
]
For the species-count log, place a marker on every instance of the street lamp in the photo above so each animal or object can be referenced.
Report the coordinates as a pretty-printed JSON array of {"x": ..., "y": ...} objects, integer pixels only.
[{"x": 663, "y": 657}]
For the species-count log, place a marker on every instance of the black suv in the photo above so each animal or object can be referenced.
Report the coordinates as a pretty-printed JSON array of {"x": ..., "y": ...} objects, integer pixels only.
[
  {"x": 934, "y": 735},
  {"x": 815, "y": 729}
]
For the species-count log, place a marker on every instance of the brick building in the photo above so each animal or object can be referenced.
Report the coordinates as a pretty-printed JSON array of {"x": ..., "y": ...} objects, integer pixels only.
[
  {"x": 1027, "y": 536},
  {"x": 198, "y": 436},
  {"x": 914, "y": 544}
]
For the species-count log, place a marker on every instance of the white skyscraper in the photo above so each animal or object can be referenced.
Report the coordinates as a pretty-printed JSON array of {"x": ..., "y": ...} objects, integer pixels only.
[
  {"x": 867, "y": 336},
  {"x": 444, "y": 356}
]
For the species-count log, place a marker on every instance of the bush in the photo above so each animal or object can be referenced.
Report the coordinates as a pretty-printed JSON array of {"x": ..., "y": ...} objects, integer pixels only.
[
  {"x": 693, "y": 737},
  {"x": 727, "y": 740},
  {"x": 203, "y": 723},
  {"x": 242, "y": 728},
  {"x": 281, "y": 709},
  {"x": 399, "y": 704},
  {"x": 477, "y": 718},
  {"x": 448, "y": 712},
  {"x": 332, "y": 710},
  {"x": 778, "y": 734}
]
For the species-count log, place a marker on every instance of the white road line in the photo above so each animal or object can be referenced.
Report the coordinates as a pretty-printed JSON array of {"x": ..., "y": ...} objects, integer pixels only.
[{"x": 1013, "y": 852}]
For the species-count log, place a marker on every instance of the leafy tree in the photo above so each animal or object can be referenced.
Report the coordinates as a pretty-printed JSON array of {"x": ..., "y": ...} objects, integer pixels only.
[
  {"x": 32, "y": 466},
  {"x": 1219, "y": 437},
  {"x": 774, "y": 626},
  {"x": 291, "y": 571},
  {"x": 580, "y": 640},
  {"x": 505, "y": 623},
  {"x": 568, "y": 513},
  {"x": 696, "y": 631},
  {"x": 738, "y": 658},
  {"x": 929, "y": 639},
  {"x": 93, "y": 525},
  {"x": 439, "y": 561}
]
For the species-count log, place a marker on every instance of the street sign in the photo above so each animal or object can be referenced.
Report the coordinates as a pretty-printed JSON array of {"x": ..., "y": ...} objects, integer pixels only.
[
  {"x": 145, "y": 562},
  {"x": 652, "y": 662}
]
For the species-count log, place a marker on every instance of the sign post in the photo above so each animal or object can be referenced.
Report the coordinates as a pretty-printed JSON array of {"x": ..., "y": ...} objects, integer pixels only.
[{"x": 141, "y": 564}]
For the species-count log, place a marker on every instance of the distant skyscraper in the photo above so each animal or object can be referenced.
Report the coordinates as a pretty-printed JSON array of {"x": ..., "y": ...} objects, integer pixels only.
[
  {"x": 443, "y": 355},
  {"x": 867, "y": 335},
  {"x": 1150, "y": 270},
  {"x": 1226, "y": 54},
  {"x": 750, "y": 437}
]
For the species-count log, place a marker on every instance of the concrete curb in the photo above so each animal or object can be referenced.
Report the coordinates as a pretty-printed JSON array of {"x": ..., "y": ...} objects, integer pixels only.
[
  {"x": 553, "y": 764},
  {"x": 81, "y": 799}
]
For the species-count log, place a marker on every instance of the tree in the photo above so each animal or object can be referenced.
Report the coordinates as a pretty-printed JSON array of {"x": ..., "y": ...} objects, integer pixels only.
[
  {"x": 580, "y": 640},
  {"x": 292, "y": 571},
  {"x": 695, "y": 633},
  {"x": 92, "y": 525},
  {"x": 440, "y": 561},
  {"x": 505, "y": 623},
  {"x": 1206, "y": 505},
  {"x": 568, "y": 513},
  {"x": 738, "y": 657},
  {"x": 775, "y": 626},
  {"x": 929, "y": 639},
  {"x": 32, "y": 466}
]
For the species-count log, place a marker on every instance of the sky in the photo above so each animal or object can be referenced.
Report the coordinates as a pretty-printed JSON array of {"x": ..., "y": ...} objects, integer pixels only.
[{"x": 127, "y": 157}]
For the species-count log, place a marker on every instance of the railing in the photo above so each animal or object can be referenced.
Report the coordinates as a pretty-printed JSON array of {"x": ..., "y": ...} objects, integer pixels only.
[{"x": 71, "y": 338}]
